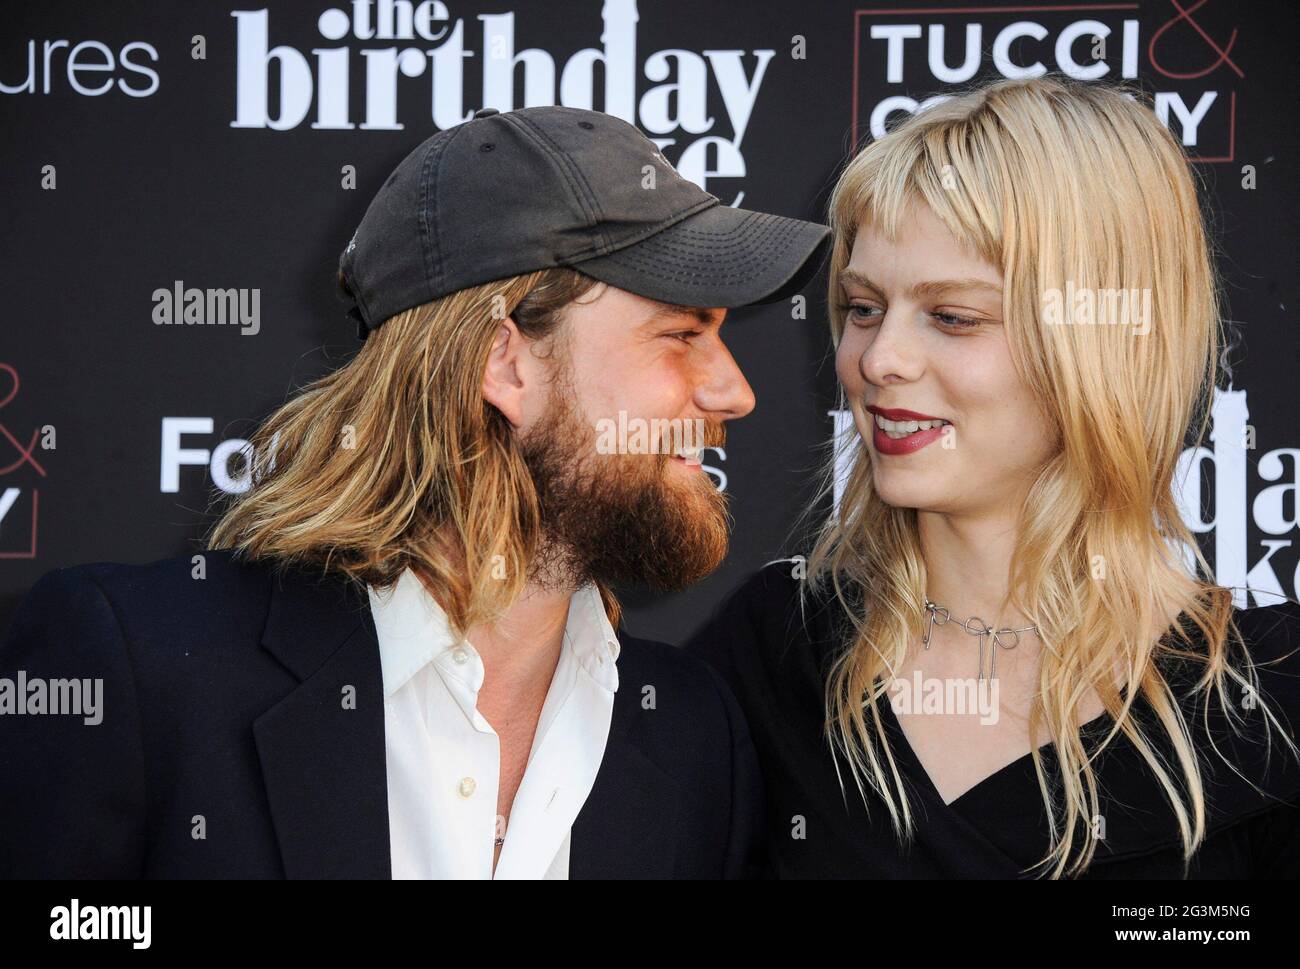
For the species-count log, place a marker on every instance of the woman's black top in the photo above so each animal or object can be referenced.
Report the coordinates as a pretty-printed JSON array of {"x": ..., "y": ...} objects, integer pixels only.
[{"x": 776, "y": 659}]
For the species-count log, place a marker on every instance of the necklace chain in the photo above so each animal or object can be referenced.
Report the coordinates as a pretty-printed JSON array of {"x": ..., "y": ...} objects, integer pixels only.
[{"x": 1006, "y": 638}]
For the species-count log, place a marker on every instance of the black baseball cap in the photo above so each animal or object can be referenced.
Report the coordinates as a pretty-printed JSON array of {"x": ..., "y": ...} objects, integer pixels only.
[{"x": 510, "y": 193}]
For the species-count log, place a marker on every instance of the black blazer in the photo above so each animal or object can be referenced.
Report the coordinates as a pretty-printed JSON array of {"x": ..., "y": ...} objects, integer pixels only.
[{"x": 223, "y": 711}]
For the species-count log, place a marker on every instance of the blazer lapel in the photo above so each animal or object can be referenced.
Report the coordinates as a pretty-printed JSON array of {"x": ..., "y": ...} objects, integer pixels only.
[
  {"x": 322, "y": 747},
  {"x": 628, "y": 826},
  {"x": 324, "y": 760}
]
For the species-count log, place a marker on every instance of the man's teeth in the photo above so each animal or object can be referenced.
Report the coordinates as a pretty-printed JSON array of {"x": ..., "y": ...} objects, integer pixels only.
[
  {"x": 897, "y": 429},
  {"x": 693, "y": 454}
]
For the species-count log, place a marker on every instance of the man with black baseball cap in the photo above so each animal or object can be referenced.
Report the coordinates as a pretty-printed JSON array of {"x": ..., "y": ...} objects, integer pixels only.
[
  {"x": 544, "y": 187},
  {"x": 401, "y": 654}
]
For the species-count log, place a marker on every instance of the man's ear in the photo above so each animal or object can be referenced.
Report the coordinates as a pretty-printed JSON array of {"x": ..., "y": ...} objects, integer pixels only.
[{"x": 504, "y": 377}]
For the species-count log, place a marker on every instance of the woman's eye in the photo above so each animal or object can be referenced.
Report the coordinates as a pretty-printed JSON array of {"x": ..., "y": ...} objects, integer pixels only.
[
  {"x": 860, "y": 314},
  {"x": 955, "y": 322}
]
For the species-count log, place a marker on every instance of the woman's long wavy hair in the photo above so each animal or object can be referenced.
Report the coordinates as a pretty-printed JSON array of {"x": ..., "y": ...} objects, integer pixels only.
[
  {"x": 1053, "y": 180},
  {"x": 395, "y": 460}
]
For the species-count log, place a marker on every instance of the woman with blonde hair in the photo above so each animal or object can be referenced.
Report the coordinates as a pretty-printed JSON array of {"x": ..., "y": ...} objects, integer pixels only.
[{"x": 1003, "y": 656}]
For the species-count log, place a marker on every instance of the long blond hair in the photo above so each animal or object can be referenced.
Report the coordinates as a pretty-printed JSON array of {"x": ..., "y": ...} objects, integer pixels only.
[
  {"x": 395, "y": 460},
  {"x": 1053, "y": 181}
]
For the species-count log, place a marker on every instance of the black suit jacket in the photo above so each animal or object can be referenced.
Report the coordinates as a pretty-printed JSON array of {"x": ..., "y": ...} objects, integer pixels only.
[{"x": 224, "y": 714}]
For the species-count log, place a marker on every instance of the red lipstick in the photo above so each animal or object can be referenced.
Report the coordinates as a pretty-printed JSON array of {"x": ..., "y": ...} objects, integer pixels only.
[
  {"x": 884, "y": 444},
  {"x": 898, "y": 414}
]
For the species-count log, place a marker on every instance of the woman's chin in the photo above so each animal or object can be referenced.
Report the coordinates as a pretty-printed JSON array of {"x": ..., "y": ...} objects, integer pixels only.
[{"x": 898, "y": 493}]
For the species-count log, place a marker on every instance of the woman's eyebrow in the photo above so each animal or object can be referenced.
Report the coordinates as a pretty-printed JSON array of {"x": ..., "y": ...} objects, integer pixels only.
[{"x": 930, "y": 287}]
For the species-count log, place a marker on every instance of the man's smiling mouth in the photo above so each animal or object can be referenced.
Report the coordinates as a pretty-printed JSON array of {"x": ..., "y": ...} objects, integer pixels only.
[{"x": 689, "y": 456}]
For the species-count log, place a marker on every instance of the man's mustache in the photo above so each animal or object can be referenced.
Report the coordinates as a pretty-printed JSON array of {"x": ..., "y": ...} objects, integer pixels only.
[{"x": 656, "y": 435}]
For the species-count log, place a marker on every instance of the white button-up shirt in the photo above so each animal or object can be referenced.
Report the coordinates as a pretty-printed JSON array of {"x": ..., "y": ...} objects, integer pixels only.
[{"x": 444, "y": 758}]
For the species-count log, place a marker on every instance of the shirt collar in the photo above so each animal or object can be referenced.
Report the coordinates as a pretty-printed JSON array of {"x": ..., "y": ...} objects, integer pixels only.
[
  {"x": 592, "y": 638},
  {"x": 413, "y": 629}
]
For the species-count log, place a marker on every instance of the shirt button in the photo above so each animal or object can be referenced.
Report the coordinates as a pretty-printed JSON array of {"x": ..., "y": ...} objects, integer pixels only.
[
  {"x": 460, "y": 656},
  {"x": 467, "y": 787}
]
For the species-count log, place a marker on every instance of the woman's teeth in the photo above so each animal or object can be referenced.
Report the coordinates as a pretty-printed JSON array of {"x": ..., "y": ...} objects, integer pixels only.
[{"x": 898, "y": 429}]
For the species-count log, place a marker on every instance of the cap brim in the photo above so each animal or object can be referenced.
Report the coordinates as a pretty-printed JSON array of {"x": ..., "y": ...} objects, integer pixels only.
[{"x": 720, "y": 256}]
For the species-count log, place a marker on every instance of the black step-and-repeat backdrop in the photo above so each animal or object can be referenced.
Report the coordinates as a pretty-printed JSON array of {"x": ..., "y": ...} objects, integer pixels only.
[{"x": 152, "y": 149}]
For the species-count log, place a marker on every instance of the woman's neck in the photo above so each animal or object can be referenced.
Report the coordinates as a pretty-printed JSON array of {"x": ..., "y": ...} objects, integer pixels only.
[{"x": 968, "y": 565}]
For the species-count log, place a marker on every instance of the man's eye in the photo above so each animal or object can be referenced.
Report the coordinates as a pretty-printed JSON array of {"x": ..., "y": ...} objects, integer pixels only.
[{"x": 683, "y": 335}]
